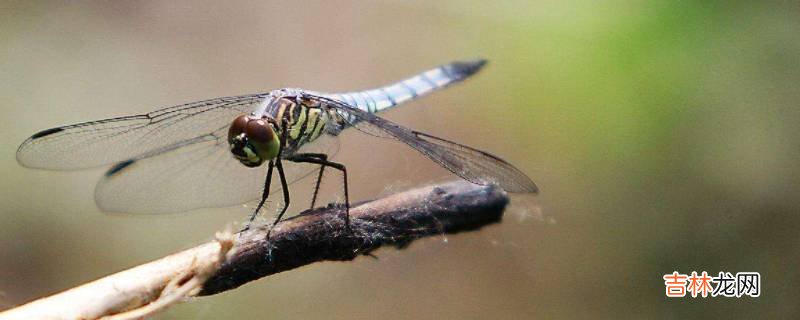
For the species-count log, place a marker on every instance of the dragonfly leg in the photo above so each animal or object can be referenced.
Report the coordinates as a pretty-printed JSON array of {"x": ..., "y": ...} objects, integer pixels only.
[
  {"x": 323, "y": 161},
  {"x": 323, "y": 157},
  {"x": 285, "y": 188},
  {"x": 316, "y": 186},
  {"x": 279, "y": 165},
  {"x": 264, "y": 195}
]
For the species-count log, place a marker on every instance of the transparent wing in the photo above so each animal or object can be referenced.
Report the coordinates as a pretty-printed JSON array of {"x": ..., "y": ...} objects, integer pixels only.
[
  {"x": 102, "y": 142},
  {"x": 468, "y": 163},
  {"x": 195, "y": 173}
]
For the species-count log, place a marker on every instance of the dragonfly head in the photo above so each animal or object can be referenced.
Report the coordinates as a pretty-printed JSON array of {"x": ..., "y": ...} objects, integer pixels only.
[{"x": 252, "y": 141}]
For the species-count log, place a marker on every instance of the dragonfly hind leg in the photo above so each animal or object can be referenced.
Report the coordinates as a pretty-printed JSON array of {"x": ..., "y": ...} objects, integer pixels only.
[
  {"x": 323, "y": 157},
  {"x": 322, "y": 160}
]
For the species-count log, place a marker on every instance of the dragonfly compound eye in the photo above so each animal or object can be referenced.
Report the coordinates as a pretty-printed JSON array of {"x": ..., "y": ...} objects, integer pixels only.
[
  {"x": 237, "y": 127},
  {"x": 262, "y": 137},
  {"x": 258, "y": 131},
  {"x": 240, "y": 144}
]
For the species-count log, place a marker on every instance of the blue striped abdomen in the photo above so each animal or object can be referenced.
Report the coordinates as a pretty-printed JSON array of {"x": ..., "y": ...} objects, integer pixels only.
[{"x": 405, "y": 90}]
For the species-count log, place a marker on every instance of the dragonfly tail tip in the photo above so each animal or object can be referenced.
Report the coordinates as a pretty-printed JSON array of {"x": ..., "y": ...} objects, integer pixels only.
[{"x": 463, "y": 69}]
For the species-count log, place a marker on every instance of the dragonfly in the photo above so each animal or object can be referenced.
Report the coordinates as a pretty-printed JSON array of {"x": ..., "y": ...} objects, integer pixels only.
[{"x": 212, "y": 153}]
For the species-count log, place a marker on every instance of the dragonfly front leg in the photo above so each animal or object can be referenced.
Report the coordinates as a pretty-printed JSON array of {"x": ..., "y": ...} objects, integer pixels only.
[
  {"x": 285, "y": 188},
  {"x": 279, "y": 166},
  {"x": 264, "y": 195},
  {"x": 322, "y": 160}
]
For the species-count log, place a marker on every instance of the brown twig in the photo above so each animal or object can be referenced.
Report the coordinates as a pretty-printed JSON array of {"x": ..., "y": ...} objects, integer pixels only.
[{"x": 314, "y": 235}]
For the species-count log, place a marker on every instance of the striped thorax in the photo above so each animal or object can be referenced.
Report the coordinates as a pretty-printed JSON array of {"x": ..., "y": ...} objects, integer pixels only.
[{"x": 303, "y": 118}]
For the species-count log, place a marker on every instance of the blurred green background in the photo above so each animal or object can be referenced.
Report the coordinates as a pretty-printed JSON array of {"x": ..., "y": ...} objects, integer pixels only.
[{"x": 664, "y": 136}]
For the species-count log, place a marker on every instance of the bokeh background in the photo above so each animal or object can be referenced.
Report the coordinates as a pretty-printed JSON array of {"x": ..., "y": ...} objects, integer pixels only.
[{"x": 664, "y": 136}]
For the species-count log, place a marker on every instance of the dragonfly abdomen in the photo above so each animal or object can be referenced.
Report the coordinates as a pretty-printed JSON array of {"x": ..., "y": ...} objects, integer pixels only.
[{"x": 383, "y": 98}]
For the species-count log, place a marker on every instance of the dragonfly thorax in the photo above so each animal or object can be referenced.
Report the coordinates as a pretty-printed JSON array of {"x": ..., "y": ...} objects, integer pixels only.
[{"x": 252, "y": 140}]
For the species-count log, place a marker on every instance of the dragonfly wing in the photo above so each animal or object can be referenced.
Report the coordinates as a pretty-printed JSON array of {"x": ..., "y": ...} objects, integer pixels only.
[
  {"x": 194, "y": 173},
  {"x": 468, "y": 163},
  {"x": 102, "y": 142}
]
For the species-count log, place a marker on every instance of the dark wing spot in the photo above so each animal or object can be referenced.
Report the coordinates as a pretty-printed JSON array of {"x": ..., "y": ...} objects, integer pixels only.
[
  {"x": 119, "y": 167},
  {"x": 46, "y": 133}
]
